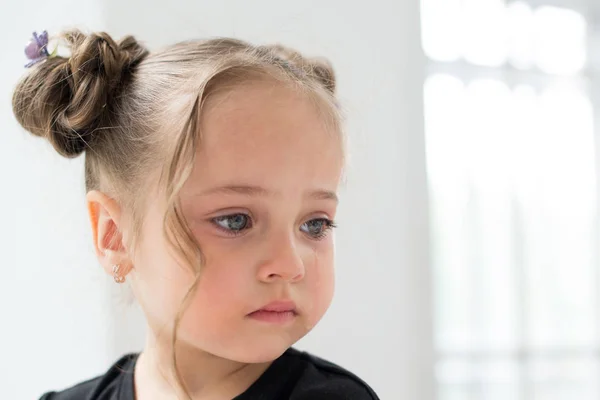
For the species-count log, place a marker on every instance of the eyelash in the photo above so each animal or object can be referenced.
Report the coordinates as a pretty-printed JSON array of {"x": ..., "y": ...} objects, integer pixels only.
[{"x": 328, "y": 225}]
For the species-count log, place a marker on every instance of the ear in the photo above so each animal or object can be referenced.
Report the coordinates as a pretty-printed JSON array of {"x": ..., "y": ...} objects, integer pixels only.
[{"x": 109, "y": 244}]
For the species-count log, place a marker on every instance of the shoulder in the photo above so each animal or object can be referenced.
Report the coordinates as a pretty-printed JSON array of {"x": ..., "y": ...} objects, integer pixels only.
[
  {"x": 79, "y": 391},
  {"x": 322, "y": 379},
  {"x": 105, "y": 387}
]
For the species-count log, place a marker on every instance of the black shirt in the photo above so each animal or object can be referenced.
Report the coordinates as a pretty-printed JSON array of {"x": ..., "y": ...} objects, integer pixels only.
[{"x": 295, "y": 375}]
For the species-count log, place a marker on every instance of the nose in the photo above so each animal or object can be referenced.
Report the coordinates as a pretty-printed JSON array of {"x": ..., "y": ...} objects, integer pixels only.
[{"x": 282, "y": 261}]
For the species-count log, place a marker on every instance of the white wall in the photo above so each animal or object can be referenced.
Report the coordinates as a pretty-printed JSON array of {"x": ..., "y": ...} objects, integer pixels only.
[
  {"x": 379, "y": 326},
  {"x": 53, "y": 298}
]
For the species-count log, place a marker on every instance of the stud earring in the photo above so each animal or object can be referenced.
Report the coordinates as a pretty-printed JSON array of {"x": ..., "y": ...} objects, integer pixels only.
[{"x": 116, "y": 276}]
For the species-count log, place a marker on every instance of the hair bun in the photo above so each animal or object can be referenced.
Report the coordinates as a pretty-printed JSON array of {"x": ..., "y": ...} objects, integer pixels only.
[{"x": 66, "y": 100}]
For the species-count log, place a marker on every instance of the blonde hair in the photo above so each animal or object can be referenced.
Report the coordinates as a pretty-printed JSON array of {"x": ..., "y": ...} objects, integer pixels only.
[{"x": 123, "y": 107}]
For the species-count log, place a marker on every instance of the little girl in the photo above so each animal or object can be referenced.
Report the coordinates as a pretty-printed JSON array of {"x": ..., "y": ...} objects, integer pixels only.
[{"x": 211, "y": 172}]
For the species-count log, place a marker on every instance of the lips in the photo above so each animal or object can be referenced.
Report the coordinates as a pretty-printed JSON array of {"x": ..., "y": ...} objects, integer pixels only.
[
  {"x": 279, "y": 306},
  {"x": 276, "y": 312}
]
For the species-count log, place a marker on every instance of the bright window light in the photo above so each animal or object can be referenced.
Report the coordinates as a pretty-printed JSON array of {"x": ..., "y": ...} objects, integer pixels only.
[{"x": 560, "y": 40}]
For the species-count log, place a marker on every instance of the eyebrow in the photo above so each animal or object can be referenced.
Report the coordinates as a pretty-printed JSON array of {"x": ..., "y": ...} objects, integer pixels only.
[{"x": 248, "y": 190}]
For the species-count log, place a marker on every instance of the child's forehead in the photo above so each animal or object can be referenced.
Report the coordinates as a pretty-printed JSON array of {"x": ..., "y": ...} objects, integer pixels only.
[
  {"x": 267, "y": 135},
  {"x": 263, "y": 162},
  {"x": 256, "y": 99},
  {"x": 263, "y": 117},
  {"x": 276, "y": 143}
]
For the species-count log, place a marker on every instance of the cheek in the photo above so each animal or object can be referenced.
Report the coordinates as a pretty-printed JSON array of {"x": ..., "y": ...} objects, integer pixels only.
[
  {"x": 222, "y": 299},
  {"x": 221, "y": 286},
  {"x": 224, "y": 283},
  {"x": 320, "y": 282},
  {"x": 160, "y": 283}
]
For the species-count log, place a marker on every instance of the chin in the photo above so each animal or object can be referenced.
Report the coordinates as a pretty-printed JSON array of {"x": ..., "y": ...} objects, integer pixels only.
[
  {"x": 262, "y": 350},
  {"x": 252, "y": 349},
  {"x": 258, "y": 349}
]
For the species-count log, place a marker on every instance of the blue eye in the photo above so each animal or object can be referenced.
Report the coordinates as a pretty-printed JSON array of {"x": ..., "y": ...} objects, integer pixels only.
[
  {"x": 234, "y": 223},
  {"x": 317, "y": 228}
]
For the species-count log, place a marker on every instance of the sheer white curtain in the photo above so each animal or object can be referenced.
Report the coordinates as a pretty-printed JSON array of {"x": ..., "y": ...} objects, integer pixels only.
[{"x": 512, "y": 175}]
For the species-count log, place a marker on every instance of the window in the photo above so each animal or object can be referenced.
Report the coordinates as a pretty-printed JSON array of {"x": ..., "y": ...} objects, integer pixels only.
[{"x": 510, "y": 143}]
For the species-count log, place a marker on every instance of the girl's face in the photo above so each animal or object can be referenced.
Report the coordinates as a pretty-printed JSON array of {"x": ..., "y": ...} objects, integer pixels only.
[{"x": 260, "y": 202}]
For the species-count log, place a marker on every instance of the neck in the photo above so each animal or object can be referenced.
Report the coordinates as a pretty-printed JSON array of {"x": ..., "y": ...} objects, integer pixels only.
[{"x": 204, "y": 375}]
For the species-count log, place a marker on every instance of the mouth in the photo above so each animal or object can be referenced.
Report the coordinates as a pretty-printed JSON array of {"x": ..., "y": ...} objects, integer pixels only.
[{"x": 276, "y": 312}]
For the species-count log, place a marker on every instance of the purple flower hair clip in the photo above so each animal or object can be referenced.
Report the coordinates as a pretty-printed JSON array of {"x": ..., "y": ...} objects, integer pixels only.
[{"x": 37, "y": 49}]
